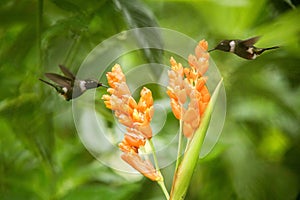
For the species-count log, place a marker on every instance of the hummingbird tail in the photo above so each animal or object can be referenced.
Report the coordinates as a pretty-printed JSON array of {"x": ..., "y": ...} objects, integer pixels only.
[
  {"x": 48, "y": 83},
  {"x": 275, "y": 47},
  {"x": 265, "y": 49}
]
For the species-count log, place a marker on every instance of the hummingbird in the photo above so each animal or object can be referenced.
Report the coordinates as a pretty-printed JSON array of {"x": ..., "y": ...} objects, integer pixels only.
[
  {"x": 69, "y": 86},
  {"x": 242, "y": 48}
]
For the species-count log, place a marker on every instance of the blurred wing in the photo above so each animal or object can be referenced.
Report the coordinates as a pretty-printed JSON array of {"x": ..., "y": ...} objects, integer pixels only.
[
  {"x": 66, "y": 72},
  {"x": 61, "y": 80},
  {"x": 250, "y": 41}
]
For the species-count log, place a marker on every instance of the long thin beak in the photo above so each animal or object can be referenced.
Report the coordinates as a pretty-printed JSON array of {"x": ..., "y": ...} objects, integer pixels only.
[
  {"x": 104, "y": 85},
  {"x": 211, "y": 50}
]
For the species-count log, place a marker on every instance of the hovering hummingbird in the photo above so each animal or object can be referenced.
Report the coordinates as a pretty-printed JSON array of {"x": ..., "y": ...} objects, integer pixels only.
[
  {"x": 242, "y": 48},
  {"x": 69, "y": 86}
]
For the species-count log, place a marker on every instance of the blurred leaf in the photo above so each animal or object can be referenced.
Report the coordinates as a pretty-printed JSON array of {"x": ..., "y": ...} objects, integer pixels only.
[
  {"x": 254, "y": 178},
  {"x": 230, "y": 18},
  {"x": 67, "y": 5},
  {"x": 102, "y": 192},
  {"x": 32, "y": 126},
  {"x": 41, "y": 157},
  {"x": 137, "y": 15},
  {"x": 286, "y": 34}
]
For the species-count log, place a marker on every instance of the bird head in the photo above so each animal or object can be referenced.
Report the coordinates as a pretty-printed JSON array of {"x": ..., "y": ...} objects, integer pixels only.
[{"x": 222, "y": 46}]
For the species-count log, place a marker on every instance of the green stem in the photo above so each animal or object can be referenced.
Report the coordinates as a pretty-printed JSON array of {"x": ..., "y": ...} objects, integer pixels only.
[
  {"x": 180, "y": 145},
  {"x": 164, "y": 189},
  {"x": 161, "y": 182}
]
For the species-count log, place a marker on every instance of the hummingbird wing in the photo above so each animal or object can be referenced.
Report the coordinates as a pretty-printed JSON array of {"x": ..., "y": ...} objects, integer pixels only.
[
  {"x": 66, "y": 72},
  {"x": 250, "y": 42},
  {"x": 61, "y": 80}
]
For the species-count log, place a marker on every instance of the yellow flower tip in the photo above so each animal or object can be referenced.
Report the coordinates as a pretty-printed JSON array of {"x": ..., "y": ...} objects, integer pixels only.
[
  {"x": 171, "y": 94},
  {"x": 110, "y": 90},
  {"x": 176, "y": 109},
  {"x": 136, "y": 116},
  {"x": 173, "y": 61},
  {"x": 200, "y": 83},
  {"x": 146, "y": 99},
  {"x": 203, "y": 44},
  {"x": 132, "y": 103},
  {"x": 201, "y": 51},
  {"x": 105, "y": 97},
  {"x": 177, "y": 67},
  {"x": 116, "y": 67},
  {"x": 108, "y": 104}
]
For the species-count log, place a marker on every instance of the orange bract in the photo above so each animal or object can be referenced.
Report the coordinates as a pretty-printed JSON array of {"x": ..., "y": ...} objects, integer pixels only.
[
  {"x": 135, "y": 116},
  {"x": 189, "y": 83},
  {"x": 145, "y": 167}
]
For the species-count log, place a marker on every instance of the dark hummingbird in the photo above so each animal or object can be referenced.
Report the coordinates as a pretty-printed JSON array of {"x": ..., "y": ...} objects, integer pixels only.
[
  {"x": 69, "y": 86},
  {"x": 242, "y": 48}
]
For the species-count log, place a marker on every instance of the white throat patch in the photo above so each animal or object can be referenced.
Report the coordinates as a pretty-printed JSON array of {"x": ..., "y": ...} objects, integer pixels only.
[
  {"x": 232, "y": 46},
  {"x": 82, "y": 85}
]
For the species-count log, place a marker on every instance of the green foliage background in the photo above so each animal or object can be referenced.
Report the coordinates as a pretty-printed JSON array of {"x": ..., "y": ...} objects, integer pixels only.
[{"x": 41, "y": 156}]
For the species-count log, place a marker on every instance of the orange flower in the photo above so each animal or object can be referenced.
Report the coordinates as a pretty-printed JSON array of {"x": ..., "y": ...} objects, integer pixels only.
[
  {"x": 145, "y": 167},
  {"x": 189, "y": 83},
  {"x": 135, "y": 116}
]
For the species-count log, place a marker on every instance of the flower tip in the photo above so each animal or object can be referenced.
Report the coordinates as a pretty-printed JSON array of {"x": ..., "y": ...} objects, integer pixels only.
[
  {"x": 116, "y": 67},
  {"x": 203, "y": 44},
  {"x": 173, "y": 61}
]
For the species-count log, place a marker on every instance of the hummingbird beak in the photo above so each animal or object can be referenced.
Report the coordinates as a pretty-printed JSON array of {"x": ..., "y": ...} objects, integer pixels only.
[
  {"x": 104, "y": 85},
  {"x": 211, "y": 50}
]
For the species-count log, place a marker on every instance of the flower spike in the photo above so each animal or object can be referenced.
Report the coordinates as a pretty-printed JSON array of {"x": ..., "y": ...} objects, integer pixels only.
[
  {"x": 136, "y": 117},
  {"x": 188, "y": 85}
]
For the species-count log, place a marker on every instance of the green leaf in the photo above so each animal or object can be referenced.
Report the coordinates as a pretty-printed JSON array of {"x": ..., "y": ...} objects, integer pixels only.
[
  {"x": 31, "y": 125},
  {"x": 67, "y": 5},
  {"x": 186, "y": 168},
  {"x": 137, "y": 15}
]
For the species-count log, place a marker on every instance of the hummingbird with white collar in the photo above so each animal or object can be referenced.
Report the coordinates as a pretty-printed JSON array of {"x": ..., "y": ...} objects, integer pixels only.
[
  {"x": 242, "y": 48},
  {"x": 69, "y": 86}
]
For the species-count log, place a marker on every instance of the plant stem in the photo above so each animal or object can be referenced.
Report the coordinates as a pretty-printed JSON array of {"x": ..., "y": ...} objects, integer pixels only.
[
  {"x": 160, "y": 182},
  {"x": 164, "y": 189},
  {"x": 180, "y": 145}
]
